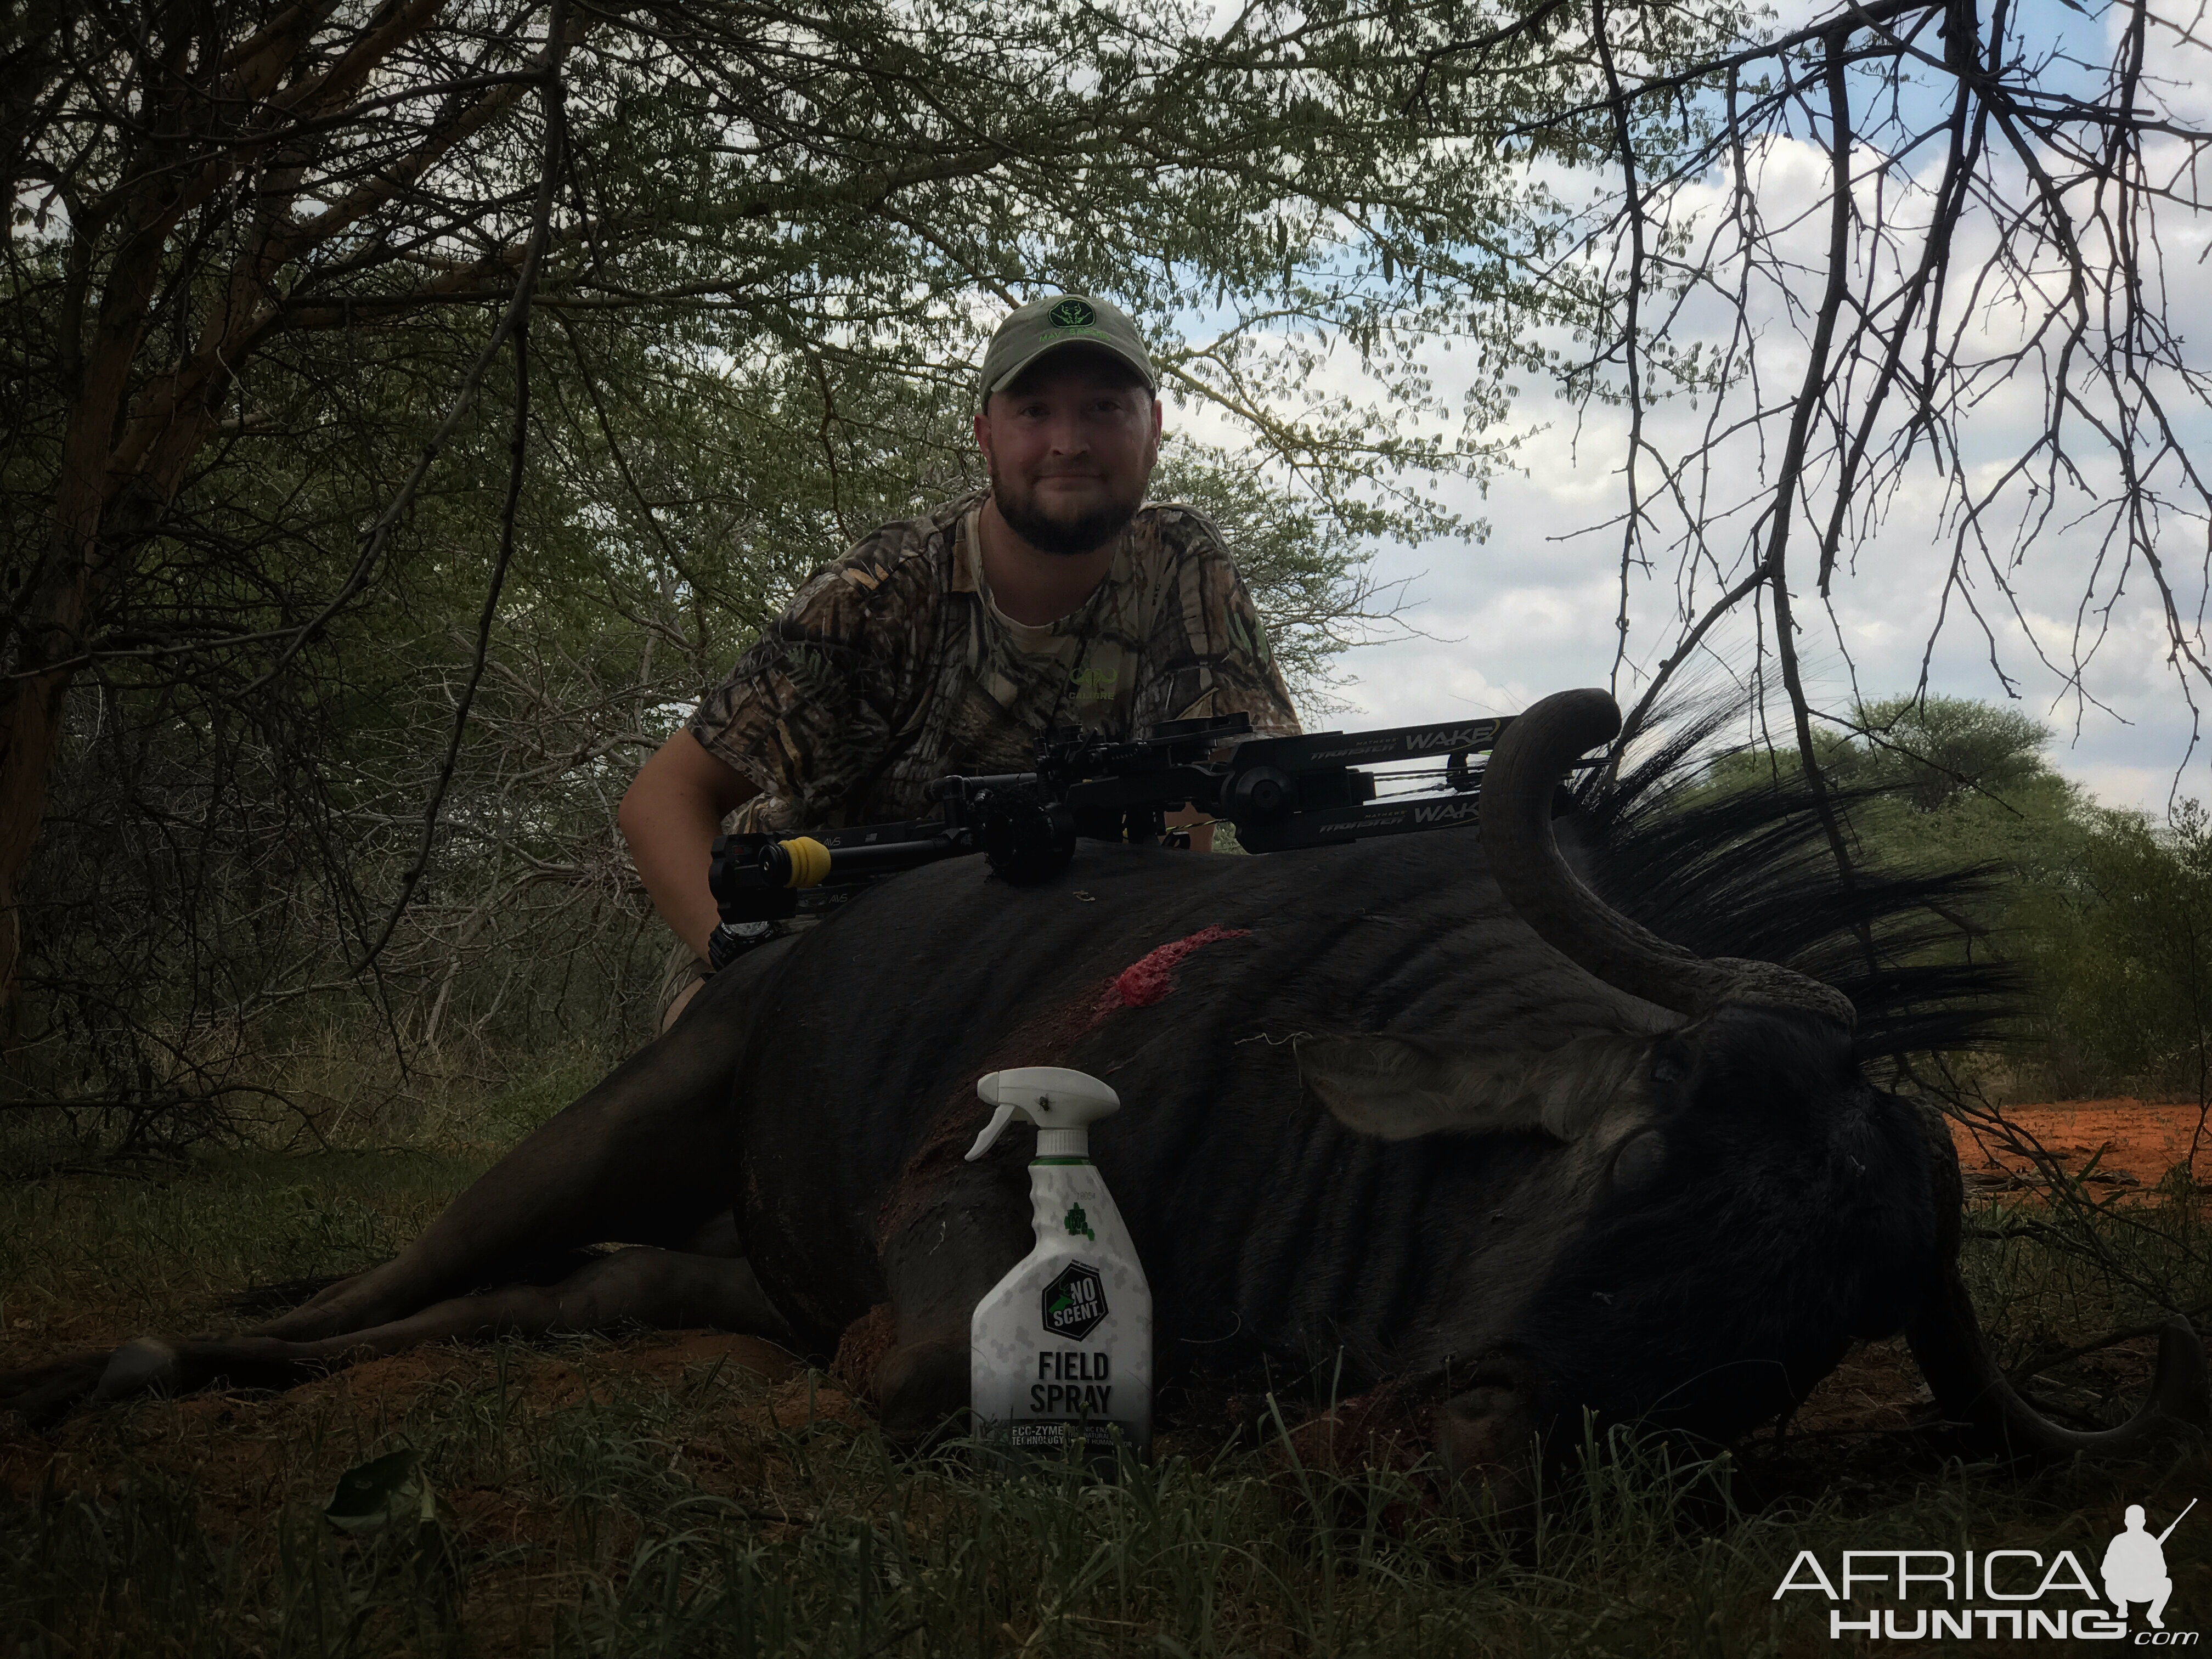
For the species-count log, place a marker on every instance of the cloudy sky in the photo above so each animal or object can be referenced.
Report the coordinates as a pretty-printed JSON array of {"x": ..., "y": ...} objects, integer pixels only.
[{"x": 1532, "y": 609}]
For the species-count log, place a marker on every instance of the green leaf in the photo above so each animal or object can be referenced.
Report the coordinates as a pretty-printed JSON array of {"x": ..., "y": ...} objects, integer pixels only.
[{"x": 381, "y": 1492}]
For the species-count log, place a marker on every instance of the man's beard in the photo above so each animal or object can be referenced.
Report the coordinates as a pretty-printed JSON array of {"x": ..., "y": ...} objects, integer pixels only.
[{"x": 1083, "y": 533}]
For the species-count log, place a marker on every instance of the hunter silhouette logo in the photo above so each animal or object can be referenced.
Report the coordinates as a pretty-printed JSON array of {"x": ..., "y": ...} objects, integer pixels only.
[
  {"x": 2015, "y": 1594},
  {"x": 1074, "y": 1302},
  {"x": 2134, "y": 1566},
  {"x": 1073, "y": 313}
]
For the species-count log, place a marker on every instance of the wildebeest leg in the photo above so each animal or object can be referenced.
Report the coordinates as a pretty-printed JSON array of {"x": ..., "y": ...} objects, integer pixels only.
[
  {"x": 657, "y": 1289},
  {"x": 965, "y": 1236},
  {"x": 648, "y": 1157}
]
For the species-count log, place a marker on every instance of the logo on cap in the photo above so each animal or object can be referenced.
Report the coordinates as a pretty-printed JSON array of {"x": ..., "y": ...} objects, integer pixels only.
[{"x": 1073, "y": 313}]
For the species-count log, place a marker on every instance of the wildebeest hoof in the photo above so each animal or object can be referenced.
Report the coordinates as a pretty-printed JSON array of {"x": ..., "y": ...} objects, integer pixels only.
[
  {"x": 137, "y": 1367},
  {"x": 47, "y": 1391},
  {"x": 921, "y": 1389}
]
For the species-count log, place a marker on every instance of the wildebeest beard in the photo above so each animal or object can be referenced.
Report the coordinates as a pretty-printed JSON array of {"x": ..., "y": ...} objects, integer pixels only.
[{"x": 1079, "y": 535}]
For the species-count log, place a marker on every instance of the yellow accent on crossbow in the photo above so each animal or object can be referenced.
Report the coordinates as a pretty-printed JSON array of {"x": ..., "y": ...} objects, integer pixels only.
[{"x": 810, "y": 862}]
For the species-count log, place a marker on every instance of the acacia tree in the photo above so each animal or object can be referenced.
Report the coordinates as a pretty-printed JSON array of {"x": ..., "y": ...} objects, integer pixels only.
[
  {"x": 329, "y": 324},
  {"x": 348, "y": 344}
]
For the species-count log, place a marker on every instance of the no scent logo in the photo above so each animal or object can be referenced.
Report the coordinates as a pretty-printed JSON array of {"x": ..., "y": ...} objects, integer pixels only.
[
  {"x": 2032, "y": 1596},
  {"x": 1073, "y": 313},
  {"x": 1074, "y": 1302}
]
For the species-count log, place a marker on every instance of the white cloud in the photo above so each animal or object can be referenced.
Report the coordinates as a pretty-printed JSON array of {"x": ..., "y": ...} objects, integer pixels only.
[{"x": 1533, "y": 610}]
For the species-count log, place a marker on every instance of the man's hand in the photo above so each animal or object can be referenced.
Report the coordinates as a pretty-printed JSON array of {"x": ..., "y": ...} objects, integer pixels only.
[
  {"x": 670, "y": 816},
  {"x": 1201, "y": 836}
]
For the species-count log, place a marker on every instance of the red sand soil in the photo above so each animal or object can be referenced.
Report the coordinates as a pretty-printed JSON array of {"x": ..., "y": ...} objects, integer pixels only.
[{"x": 2135, "y": 1143}]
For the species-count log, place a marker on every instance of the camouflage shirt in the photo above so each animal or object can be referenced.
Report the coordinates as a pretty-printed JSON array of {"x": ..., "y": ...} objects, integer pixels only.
[{"x": 891, "y": 668}]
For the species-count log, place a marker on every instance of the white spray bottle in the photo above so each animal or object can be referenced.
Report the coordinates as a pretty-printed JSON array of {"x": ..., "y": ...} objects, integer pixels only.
[{"x": 1060, "y": 1352}]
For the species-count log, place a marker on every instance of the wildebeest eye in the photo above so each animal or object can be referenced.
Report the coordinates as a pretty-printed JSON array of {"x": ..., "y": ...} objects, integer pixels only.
[
  {"x": 1639, "y": 1163},
  {"x": 1666, "y": 1070}
]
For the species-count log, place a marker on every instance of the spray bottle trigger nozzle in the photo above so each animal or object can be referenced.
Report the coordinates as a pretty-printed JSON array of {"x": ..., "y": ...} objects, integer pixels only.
[
  {"x": 992, "y": 1130},
  {"x": 1050, "y": 1097}
]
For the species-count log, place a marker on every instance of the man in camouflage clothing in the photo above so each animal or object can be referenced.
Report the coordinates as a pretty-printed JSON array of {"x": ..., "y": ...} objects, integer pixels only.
[{"x": 951, "y": 642}]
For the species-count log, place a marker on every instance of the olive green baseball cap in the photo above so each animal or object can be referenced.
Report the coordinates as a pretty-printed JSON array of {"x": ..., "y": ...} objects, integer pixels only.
[{"x": 1055, "y": 320}]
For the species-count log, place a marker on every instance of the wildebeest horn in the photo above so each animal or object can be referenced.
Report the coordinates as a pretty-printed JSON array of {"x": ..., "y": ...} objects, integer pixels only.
[
  {"x": 1975, "y": 1394},
  {"x": 1515, "y": 815}
]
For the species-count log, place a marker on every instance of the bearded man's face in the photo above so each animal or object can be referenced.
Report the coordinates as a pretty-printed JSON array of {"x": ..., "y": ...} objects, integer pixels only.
[{"x": 1072, "y": 444}]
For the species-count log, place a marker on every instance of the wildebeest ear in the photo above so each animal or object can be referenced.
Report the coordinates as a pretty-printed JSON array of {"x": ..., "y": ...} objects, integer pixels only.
[{"x": 1398, "y": 1087}]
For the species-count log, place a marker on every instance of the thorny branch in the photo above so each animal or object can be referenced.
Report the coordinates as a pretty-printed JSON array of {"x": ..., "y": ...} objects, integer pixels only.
[
  {"x": 514, "y": 325},
  {"x": 1782, "y": 513},
  {"x": 1989, "y": 209},
  {"x": 1630, "y": 324}
]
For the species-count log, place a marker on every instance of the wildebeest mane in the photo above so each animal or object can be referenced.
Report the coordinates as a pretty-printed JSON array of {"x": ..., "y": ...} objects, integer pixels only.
[{"x": 1747, "y": 871}]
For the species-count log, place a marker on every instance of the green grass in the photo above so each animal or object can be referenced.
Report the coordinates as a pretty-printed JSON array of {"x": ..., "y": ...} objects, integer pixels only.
[
  {"x": 653, "y": 1498},
  {"x": 85, "y": 1254}
]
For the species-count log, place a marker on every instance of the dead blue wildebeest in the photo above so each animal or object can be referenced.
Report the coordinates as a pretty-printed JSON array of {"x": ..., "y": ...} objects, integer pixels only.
[{"x": 1426, "y": 1109}]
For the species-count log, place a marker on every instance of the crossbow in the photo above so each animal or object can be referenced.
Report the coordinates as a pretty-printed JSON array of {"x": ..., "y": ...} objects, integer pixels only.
[{"x": 1279, "y": 793}]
